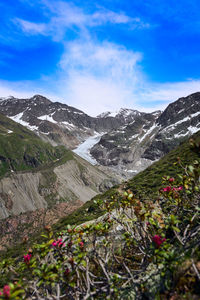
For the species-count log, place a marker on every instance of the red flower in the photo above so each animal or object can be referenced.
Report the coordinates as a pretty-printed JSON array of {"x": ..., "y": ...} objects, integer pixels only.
[
  {"x": 6, "y": 291},
  {"x": 171, "y": 179},
  {"x": 81, "y": 244},
  {"x": 158, "y": 240},
  {"x": 167, "y": 189},
  {"x": 177, "y": 188},
  {"x": 27, "y": 258},
  {"x": 58, "y": 243}
]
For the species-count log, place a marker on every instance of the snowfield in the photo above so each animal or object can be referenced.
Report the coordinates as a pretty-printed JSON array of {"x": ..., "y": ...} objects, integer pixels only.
[{"x": 83, "y": 150}]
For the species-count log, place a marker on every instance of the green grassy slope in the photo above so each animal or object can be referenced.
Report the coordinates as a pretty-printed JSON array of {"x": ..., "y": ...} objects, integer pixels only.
[
  {"x": 148, "y": 181},
  {"x": 21, "y": 149}
]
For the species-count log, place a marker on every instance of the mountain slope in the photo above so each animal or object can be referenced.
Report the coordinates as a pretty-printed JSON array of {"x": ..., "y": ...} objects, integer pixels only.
[
  {"x": 162, "y": 240},
  {"x": 136, "y": 145},
  {"x": 130, "y": 140},
  {"x": 21, "y": 149},
  {"x": 39, "y": 179},
  {"x": 145, "y": 184},
  {"x": 56, "y": 122},
  {"x": 179, "y": 120}
]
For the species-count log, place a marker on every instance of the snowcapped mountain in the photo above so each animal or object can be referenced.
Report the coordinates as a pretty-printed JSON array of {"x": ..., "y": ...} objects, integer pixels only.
[
  {"x": 126, "y": 140},
  {"x": 121, "y": 113},
  {"x": 55, "y": 122},
  {"x": 148, "y": 137}
]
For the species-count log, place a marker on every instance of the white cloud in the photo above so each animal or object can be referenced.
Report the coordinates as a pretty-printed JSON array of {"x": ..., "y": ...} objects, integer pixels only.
[
  {"x": 30, "y": 27},
  {"x": 64, "y": 16},
  {"x": 169, "y": 91},
  {"x": 98, "y": 76}
]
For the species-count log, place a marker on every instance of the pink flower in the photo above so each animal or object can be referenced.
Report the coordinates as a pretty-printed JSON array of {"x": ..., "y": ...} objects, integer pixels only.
[
  {"x": 158, "y": 240},
  {"x": 167, "y": 189},
  {"x": 81, "y": 244},
  {"x": 54, "y": 244},
  {"x": 27, "y": 258},
  {"x": 6, "y": 291},
  {"x": 171, "y": 179},
  {"x": 177, "y": 188},
  {"x": 0, "y": 293},
  {"x": 58, "y": 243}
]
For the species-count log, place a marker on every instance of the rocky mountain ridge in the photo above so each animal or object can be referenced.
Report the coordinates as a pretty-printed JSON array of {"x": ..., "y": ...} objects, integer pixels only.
[
  {"x": 149, "y": 137},
  {"x": 57, "y": 122},
  {"x": 130, "y": 140}
]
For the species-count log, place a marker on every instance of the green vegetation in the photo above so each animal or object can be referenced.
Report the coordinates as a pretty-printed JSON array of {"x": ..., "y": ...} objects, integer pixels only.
[
  {"x": 22, "y": 150},
  {"x": 147, "y": 182},
  {"x": 137, "y": 250},
  {"x": 145, "y": 245},
  {"x": 144, "y": 185}
]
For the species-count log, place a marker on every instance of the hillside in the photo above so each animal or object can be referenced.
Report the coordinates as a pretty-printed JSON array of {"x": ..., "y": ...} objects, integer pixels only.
[
  {"x": 23, "y": 150},
  {"x": 40, "y": 183},
  {"x": 146, "y": 184},
  {"x": 145, "y": 246}
]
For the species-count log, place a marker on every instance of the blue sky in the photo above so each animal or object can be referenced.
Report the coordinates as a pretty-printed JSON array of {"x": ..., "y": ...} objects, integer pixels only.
[{"x": 101, "y": 55}]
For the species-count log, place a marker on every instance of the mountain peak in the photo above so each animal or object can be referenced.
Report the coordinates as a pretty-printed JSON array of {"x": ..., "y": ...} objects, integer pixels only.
[
  {"x": 120, "y": 112},
  {"x": 41, "y": 99}
]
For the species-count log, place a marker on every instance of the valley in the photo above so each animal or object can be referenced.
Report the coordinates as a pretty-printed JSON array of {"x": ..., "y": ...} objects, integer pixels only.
[
  {"x": 60, "y": 170},
  {"x": 129, "y": 140}
]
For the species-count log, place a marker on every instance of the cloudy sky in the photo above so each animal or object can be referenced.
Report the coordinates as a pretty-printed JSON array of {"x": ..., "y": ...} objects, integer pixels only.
[{"x": 101, "y": 55}]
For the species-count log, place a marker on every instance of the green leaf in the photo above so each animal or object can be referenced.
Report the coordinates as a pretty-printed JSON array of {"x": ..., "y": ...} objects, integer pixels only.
[
  {"x": 84, "y": 263},
  {"x": 176, "y": 229}
]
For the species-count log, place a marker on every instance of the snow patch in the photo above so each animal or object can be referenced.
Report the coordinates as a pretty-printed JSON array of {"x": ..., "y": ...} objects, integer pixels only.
[
  {"x": 47, "y": 118},
  {"x": 193, "y": 129},
  {"x": 83, "y": 150},
  {"x": 18, "y": 119},
  {"x": 68, "y": 125},
  {"x": 171, "y": 127},
  {"x": 151, "y": 129}
]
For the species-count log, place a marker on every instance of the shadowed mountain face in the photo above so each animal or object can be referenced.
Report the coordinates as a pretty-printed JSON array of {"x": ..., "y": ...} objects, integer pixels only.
[{"x": 130, "y": 140}]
